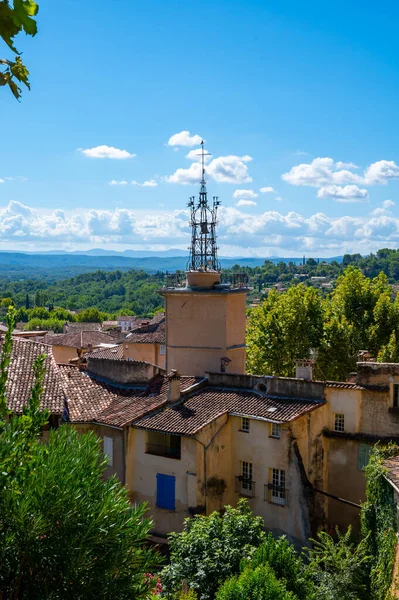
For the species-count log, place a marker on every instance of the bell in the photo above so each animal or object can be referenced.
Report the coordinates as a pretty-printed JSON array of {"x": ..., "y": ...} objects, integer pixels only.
[{"x": 204, "y": 228}]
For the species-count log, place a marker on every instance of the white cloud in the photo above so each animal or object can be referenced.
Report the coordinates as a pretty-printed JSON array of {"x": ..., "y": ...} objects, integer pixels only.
[
  {"x": 279, "y": 198},
  {"x": 380, "y": 172},
  {"x": 106, "y": 152},
  {"x": 388, "y": 204},
  {"x": 347, "y": 193},
  {"x": 184, "y": 138},
  {"x": 224, "y": 169},
  {"x": 246, "y": 203},
  {"x": 149, "y": 183},
  {"x": 378, "y": 211},
  {"x": 245, "y": 194},
  {"x": 266, "y": 190},
  {"x": 321, "y": 171},
  {"x": 118, "y": 182},
  {"x": 2, "y": 181},
  {"x": 255, "y": 232}
]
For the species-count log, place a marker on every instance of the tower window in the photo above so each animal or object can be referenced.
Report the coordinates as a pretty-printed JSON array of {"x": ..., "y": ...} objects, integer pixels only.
[{"x": 245, "y": 424}]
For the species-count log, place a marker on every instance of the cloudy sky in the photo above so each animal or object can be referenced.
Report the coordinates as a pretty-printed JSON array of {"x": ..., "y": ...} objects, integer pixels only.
[{"x": 297, "y": 104}]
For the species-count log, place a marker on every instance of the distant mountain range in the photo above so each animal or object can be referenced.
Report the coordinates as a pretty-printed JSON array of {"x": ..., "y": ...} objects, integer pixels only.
[{"x": 61, "y": 264}]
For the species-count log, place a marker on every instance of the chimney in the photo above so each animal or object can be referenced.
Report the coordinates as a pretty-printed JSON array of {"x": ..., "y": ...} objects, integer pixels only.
[
  {"x": 89, "y": 347},
  {"x": 303, "y": 369},
  {"x": 174, "y": 386}
]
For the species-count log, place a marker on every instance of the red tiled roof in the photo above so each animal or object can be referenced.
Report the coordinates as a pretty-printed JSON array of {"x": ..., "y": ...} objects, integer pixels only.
[
  {"x": 21, "y": 378},
  {"x": 94, "y": 401},
  {"x": 115, "y": 353},
  {"x": 187, "y": 418},
  {"x": 72, "y": 327},
  {"x": 154, "y": 334},
  {"x": 80, "y": 339}
]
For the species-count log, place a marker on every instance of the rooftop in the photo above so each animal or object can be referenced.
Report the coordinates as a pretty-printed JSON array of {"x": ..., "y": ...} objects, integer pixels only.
[
  {"x": 208, "y": 403},
  {"x": 21, "y": 378},
  {"x": 79, "y": 339},
  {"x": 93, "y": 401}
]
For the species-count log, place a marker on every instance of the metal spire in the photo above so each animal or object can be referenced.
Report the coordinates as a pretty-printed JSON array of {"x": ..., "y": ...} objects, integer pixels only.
[{"x": 203, "y": 249}]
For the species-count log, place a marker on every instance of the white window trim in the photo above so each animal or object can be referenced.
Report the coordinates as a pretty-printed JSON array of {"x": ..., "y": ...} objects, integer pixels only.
[{"x": 162, "y": 349}]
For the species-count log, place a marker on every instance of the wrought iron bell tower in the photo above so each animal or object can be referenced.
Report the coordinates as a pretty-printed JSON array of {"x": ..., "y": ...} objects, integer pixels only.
[{"x": 203, "y": 220}]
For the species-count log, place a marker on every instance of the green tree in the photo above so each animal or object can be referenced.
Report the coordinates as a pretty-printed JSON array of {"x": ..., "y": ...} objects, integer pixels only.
[
  {"x": 339, "y": 567},
  {"x": 283, "y": 328},
  {"x": 91, "y": 315},
  {"x": 210, "y": 549},
  {"x": 16, "y": 17},
  {"x": 64, "y": 531}
]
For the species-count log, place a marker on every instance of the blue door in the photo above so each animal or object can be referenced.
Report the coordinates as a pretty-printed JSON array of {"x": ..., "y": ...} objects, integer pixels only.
[{"x": 166, "y": 485}]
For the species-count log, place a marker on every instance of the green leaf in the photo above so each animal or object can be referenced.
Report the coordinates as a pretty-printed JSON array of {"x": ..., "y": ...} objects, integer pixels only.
[{"x": 21, "y": 16}]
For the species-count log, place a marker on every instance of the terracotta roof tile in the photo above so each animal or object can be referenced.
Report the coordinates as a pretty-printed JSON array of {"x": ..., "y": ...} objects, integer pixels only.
[
  {"x": 188, "y": 417},
  {"x": 72, "y": 327},
  {"x": 392, "y": 464},
  {"x": 114, "y": 353},
  {"x": 79, "y": 339},
  {"x": 21, "y": 379},
  {"x": 94, "y": 401},
  {"x": 344, "y": 385},
  {"x": 149, "y": 332}
]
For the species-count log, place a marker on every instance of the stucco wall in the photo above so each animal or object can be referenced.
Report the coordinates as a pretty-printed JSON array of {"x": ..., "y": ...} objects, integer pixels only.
[
  {"x": 63, "y": 354},
  {"x": 145, "y": 352},
  {"x": 118, "y": 463},
  {"x": 200, "y": 328},
  {"x": 122, "y": 371}
]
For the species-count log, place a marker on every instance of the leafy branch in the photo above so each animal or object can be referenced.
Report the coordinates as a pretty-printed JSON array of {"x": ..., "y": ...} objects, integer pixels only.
[{"x": 13, "y": 19}]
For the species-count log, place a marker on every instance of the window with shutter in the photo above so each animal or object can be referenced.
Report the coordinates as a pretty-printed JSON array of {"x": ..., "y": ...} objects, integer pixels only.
[
  {"x": 109, "y": 449},
  {"x": 363, "y": 456}
]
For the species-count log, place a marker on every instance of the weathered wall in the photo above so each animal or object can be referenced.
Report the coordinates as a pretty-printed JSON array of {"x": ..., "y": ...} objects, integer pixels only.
[
  {"x": 63, "y": 354},
  {"x": 201, "y": 327},
  {"x": 122, "y": 371},
  {"x": 118, "y": 463},
  {"x": 141, "y": 479}
]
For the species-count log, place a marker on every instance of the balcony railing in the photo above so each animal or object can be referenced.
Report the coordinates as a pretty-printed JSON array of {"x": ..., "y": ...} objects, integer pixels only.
[
  {"x": 159, "y": 450},
  {"x": 245, "y": 486},
  {"x": 276, "y": 494}
]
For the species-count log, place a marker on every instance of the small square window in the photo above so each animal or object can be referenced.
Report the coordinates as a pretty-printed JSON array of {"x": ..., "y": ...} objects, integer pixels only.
[
  {"x": 339, "y": 423},
  {"x": 162, "y": 349},
  {"x": 245, "y": 424},
  {"x": 275, "y": 430},
  {"x": 395, "y": 396}
]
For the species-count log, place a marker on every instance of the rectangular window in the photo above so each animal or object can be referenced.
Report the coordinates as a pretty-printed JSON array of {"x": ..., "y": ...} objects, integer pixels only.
[
  {"x": 162, "y": 349},
  {"x": 166, "y": 486},
  {"x": 245, "y": 424},
  {"x": 339, "y": 423},
  {"x": 275, "y": 430},
  {"x": 108, "y": 444},
  {"x": 163, "y": 444},
  {"x": 246, "y": 474},
  {"x": 278, "y": 492},
  {"x": 395, "y": 396},
  {"x": 363, "y": 456}
]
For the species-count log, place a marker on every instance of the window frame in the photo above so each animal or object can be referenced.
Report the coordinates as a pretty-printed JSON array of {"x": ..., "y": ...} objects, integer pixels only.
[
  {"x": 245, "y": 424},
  {"x": 273, "y": 433},
  {"x": 162, "y": 349},
  {"x": 246, "y": 474},
  {"x": 339, "y": 422},
  {"x": 395, "y": 395},
  {"x": 108, "y": 449},
  {"x": 278, "y": 490}
]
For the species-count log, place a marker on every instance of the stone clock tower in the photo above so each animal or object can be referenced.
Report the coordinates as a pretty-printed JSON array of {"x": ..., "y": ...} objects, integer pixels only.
[{"x": 205, "y": 319}]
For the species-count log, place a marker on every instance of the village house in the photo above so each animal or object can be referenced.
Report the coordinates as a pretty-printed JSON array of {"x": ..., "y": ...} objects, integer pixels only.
[
  {"x": 147, "y": 341},
  {"x": 71, "y": 346},
  {"x": 126, "y": 323}
]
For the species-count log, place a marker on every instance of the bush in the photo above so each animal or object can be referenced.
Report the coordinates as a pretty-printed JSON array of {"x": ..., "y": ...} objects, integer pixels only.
[
  {"x": 259, "y": 583},
  {"x": 210, "y": 549}
]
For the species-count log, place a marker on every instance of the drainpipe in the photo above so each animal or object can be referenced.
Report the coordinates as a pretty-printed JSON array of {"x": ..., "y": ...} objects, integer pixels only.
[{"x": 205, "y": 447}]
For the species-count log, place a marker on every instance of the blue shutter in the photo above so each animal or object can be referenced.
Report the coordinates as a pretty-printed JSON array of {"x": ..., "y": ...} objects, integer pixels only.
[
  {"x": 363, "y": 456},
  {"x": 166, "y": 491}
]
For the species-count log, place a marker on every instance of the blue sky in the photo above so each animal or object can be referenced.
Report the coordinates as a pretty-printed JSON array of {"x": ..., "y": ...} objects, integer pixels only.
[{"x": 298, "y": 97}]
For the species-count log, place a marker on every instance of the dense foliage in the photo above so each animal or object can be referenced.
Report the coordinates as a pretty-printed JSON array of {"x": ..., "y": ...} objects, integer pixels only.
[
  {"x": 360, "y": 314},
  {"x": 64, "y": 531},
  {"x": 379, "y": 522},
  {"x": 132, "y": 292},
  {"x": 255, "y": 583},
  {"x": 210, "y": 549}
]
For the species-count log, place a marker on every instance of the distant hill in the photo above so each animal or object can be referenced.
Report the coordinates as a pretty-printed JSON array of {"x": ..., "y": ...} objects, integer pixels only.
[{"x": 16, "y": 266}]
